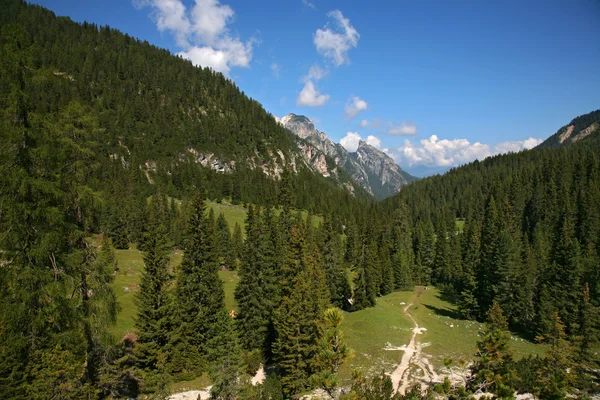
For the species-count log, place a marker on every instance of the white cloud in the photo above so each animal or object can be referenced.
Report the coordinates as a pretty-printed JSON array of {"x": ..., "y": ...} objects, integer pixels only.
[
  {"x": 310, "y": 96},
  {"x": 506, "y": 147},
  {"x": 401, "y": 129},
  {"x": 309, "y": 4},
  {"x": 350, "y": 141},
  {"x": 335, "y": 43},
  {"x": 364, "y": 123},
  {"x": 275, "y": 70},
  {"x": 354, "y": 106},
  {"x": 315, "y": 73},
  {"x": 374, "y": 141},
  {"x": 451, "y": 153},
  {"x": 201, "y": 31}
]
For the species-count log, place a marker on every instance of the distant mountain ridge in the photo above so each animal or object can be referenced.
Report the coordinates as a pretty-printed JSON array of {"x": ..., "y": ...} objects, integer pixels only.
[
  {"x": 585, "y": 126},
  {"x": 372, "y": 169}
]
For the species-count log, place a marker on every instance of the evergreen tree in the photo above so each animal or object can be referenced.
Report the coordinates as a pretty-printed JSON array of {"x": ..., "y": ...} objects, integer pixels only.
[
  {"x": 237, "y": 244},
  {"x": 337, "y": 281},
  {"x": 225, "y": 249},
  {"x": 202, "y": 338},
  {"x": 299, "y": 324},
  {"x": 555, "y": 378},
  {"x": 402, "y": 250},
  {"x": 257, "y": 291},
  {"x": 490, "y": 371},
  {"x": 153, "y": 297},
  {"x": 491, "y": 257},
  {"x": 333, "y": 352}
]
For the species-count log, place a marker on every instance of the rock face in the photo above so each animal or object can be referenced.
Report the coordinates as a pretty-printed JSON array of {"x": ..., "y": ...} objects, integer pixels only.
[
  {"x": 585, "y": 126},
  {"x": 370, "y": 168}
]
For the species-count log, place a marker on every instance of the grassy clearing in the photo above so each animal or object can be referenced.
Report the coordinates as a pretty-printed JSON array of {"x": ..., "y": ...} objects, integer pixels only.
[
  {"x": 369, "y": 331},
  {"x": 237, "y": 214},
  {"x": 127, "y": 279},
  {"x": 199, "y": 383},
  {"x": 233, "y": 214}
]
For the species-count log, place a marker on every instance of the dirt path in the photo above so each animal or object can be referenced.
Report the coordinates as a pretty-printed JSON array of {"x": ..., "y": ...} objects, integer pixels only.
[
  {"x": 415, "y": 365},
  {"x": 412, "y": 352}
]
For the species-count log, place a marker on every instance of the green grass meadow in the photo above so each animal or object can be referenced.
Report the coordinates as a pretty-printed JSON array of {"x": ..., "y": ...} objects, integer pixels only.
[{"x": 367, "y": 332}]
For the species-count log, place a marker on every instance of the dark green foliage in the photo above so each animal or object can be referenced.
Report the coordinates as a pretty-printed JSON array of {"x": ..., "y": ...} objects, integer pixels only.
[
  {"x": 225, "y": 250},
  {"x": 402, "y": 256},
  {"x": 299, "y": 323},
  {"x": 55, "y": 298},
  {"x": 153, "y": 298},
  {"x": 202, "y": 338},
  {"x": 379, "y": 387},
  {"x": 333, "y": 352},
  {"x": 555, "y": 377},
  {"x": 258, "y": 291},
  {"x": 337, "y": 280},
  {"x": 270, "y": 389},
  {"x": 490, "y": 371}
]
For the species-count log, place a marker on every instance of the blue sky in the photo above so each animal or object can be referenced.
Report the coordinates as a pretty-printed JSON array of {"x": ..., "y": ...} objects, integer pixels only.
[{"x": 434, "y": 83}]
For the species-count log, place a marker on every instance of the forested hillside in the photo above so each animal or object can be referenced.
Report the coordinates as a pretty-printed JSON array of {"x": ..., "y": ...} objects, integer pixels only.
[
  {"x": 582, "y": 127},
  {"x": 531, "y": 237},
  {"x": 107, "y": 142},
  {"x": 160, "y": 123}
]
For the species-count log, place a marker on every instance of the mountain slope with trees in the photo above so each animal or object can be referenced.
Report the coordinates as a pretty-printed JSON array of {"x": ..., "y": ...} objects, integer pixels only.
[
  {"x": 585, "y": 126},
  {"x": 103, "y": 135}
]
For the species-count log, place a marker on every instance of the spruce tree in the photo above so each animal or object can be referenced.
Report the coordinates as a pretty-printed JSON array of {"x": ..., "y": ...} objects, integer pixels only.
[
  {"x": 153, "y": 298},
  {"x": 490, "y": 371},
  {"x": 200, "y": 340},
  {"x": 402, "y": 250},
  {"x": 225, "y": 249},
  {"x": 256, "y": 290},
  {"x": 335, "y": 272},
  {"x": 299, "y": 324}
]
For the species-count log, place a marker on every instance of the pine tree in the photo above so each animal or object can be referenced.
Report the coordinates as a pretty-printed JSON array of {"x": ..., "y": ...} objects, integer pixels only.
[
  {"x": 224, "y": 246},
  {"x": 153, "y": 297},
  {"x": 491, "y": 257},
  {"x": 237, "y": 244},
  {"x": 555, "y": 379},
  {"x": 299, "y": 324},
  {"x": 258, "y": 279},
  {"x": 427, "y": 251},
  {"x": 333, "y": 352},
  {"x": 490, "y": 371},
  {"x": 201, "y": 338},
  {"x": 402, "y": 250},
  {"x": 337, "y": 281}
]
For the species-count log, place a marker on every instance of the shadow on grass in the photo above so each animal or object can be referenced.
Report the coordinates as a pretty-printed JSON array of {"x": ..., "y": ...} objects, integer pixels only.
[{"x": 445, "y": 312}]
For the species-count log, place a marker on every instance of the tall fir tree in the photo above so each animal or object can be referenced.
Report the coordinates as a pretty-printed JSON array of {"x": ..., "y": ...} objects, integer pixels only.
[
  {"x": 337, "y": 281},
  {"x": 299, "y": 323},
  {"x": 153, "y": 298},
  {"x": 202, "y": 338}
]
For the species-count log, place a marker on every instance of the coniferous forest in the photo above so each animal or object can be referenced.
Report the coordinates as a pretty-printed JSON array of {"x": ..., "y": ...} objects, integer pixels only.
[{"x": 100, "y": 135}]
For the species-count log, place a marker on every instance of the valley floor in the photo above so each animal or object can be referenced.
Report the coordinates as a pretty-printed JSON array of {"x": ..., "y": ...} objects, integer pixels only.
[{"x": 407, "y": 334}]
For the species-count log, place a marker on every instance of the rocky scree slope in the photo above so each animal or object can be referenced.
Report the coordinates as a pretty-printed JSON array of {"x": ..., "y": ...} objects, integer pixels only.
[{"x": 585, "y": 126}]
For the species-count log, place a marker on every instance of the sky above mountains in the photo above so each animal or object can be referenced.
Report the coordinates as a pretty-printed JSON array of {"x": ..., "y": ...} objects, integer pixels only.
[{"x": 433, "y": 83}]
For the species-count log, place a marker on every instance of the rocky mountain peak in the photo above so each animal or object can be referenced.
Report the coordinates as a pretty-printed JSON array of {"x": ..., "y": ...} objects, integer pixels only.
[
  {"x": 299, "y": 124},
  {"x": 372, "y": 169}
]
